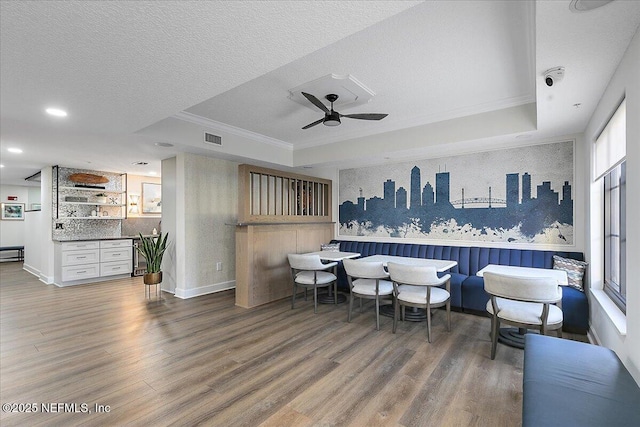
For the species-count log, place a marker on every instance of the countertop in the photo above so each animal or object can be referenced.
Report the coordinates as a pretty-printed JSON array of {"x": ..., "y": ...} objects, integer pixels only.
[{"x": 105, "y": 238}]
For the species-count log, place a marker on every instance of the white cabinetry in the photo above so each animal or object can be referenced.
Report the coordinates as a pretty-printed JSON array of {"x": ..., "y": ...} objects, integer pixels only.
[
  {"x": 115, "y": 257},
  {"x": 92, "y": 261}
]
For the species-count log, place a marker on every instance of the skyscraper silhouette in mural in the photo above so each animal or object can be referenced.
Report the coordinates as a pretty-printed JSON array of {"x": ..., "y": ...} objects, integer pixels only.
[{"x": 428, "y": 207}]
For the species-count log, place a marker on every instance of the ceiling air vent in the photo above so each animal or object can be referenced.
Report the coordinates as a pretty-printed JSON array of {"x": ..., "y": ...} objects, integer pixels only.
[{"x": 212, "y": 139}]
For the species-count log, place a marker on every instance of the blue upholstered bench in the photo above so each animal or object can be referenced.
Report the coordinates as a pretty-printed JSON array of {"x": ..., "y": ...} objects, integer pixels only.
[
  {"x": 467, "y": 289},
  {"x": 569, "y": 383}
]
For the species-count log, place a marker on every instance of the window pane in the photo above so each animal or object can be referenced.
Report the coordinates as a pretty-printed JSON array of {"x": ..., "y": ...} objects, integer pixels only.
[{"x": 615, "y": 234}]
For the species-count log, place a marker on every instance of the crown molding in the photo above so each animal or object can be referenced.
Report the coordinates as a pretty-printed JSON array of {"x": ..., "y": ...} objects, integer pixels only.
[
  {"x": 223, "y": 127},
  {"x": 421, "y": 120}
]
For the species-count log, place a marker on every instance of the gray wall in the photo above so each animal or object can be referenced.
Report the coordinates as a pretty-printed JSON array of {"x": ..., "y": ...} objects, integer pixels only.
[{"x": 205, "y": 203}]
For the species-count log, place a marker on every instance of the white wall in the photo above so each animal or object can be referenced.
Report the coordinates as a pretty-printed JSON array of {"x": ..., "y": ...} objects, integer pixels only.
[
  {"x": 38, "y": 251},
  {"x": 12, "y": 232},
  {"x": 438, "y": 136},
  {"x": 206, "y": 206},
  {"x": 608, "y": 325},
  {"x": 134, "y": 187},
  {"x": 33, "y": 197}
]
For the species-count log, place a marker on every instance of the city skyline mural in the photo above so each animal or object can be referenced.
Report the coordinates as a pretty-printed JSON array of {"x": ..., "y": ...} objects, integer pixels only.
[{"x": 516, "y": 195}]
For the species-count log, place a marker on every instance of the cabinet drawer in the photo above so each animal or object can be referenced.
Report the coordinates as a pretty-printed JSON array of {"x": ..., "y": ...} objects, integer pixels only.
[
  {"x": 74, "y": 246},
  {"x": 115, "y": 267},
  {"x": 80, "y": 272},
  {"x": 115, "y": 243},
  {"x": 115, "y": 254},
  {"x": 80, "y": 257}
]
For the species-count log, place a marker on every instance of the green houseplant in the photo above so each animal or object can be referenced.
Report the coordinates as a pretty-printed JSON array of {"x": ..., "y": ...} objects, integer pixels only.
[{"x": 152, "y": 249}]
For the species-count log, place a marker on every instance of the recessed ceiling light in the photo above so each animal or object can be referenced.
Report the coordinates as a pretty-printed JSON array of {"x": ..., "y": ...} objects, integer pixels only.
[
  {"x": 56, "y": 112},
  {"x": 164, "y": 144},
  {"x": 14, "y": 150},
  {"x": 1, "y": 166},
  {"x": 152, "y": 173},
  {"x": 140, "y": 163}
]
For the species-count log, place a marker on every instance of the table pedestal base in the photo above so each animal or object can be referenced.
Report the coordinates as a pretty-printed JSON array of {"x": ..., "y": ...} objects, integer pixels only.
[
  {"x": 327, "y": 298},
  {"x": 411, "y": 314},
  {"x": 513, "y": 337}
]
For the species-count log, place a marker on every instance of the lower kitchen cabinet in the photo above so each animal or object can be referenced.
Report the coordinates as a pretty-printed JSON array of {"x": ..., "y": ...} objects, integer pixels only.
[{"x": 92, "y": 261}]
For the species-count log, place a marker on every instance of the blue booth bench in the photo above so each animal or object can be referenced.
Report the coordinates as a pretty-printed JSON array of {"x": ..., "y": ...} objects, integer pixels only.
[
  {"x": 467, "y": 289},
  {"x": 569, "y": 383}
]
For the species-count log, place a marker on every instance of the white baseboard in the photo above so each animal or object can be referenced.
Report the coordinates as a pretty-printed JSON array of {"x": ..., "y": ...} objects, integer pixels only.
[
  {"x": 29, "y": 269},
  {"x": 204, "y": 290},
  {"x": 42, "y": 277}
]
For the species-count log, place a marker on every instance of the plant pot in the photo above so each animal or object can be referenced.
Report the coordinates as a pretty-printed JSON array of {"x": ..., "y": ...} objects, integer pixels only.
[{"x": 152, "y": 278}]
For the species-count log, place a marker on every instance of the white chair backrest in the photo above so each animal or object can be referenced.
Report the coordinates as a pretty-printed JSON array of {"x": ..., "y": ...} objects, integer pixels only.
[
  {"x": 305, "y": 262},
  {"x": 534, "y": 289},
  {"x": 413, "y": 274},
  {"x": 364, "y": 269}
]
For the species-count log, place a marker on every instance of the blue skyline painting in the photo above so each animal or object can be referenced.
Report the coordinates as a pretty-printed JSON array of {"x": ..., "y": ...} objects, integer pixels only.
[{"x": 520, "y": 195}]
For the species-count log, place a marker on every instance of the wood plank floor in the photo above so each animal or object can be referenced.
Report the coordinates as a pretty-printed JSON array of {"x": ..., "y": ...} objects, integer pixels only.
[{"x": 204, "y": 361}]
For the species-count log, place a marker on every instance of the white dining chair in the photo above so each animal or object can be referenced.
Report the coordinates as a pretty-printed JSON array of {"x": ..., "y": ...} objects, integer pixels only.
[
  {"x": 523, "y": 302},
  {"x": 308, "y": 271},
  {"x": 419, "y": 286},
  {"x": 368, "y": 280}
]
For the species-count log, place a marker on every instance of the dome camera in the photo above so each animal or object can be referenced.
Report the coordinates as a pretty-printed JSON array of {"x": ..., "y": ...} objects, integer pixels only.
[{"x": 553, "y": 75}]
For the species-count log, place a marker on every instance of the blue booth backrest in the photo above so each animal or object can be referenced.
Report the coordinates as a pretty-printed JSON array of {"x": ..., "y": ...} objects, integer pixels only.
[{"x": 470, "y": 259}]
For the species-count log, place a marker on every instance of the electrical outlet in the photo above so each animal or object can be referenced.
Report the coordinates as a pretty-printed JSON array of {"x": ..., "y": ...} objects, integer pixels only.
[{"x": 218, "y": 266}]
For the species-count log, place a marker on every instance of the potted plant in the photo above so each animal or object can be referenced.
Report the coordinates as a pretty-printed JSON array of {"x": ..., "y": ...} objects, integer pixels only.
[
  {"x": 101, "y": 198},
  {"x": 152, "y": 248}
]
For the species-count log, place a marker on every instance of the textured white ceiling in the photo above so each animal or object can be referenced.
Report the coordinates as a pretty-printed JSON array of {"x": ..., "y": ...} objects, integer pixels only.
[
  {"x": 124, "y": 69},
  {"x": 476, "y": 56}
]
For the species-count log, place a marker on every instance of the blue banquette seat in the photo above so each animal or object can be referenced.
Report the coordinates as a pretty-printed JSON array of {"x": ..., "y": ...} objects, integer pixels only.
[{"x": 467, "y": 289}]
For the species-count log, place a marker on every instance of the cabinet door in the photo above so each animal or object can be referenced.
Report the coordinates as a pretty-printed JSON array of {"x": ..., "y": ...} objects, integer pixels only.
[
  {"x": 115, "y": 254},
  {"x": 76, "y": 246},
  {"x": 80, "y": 257},
  {"x": 104, "y": 244},
  {"x": 115, "y": 267},
  {"x": 79, "y": 272}
]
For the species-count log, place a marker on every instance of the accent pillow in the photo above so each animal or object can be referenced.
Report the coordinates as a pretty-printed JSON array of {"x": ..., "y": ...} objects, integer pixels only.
[
  {"x": 575, "y": 270},
  {"x": 332, "y": 247}
]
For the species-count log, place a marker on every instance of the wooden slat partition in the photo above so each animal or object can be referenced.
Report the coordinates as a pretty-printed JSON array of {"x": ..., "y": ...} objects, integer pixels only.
[
  {"x": 278, "y": 213},
  {"x": 272, "y": 196}
]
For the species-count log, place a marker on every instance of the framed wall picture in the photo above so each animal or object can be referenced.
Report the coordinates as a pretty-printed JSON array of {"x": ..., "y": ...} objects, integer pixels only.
[
  {"x": 151, "y": 198},
  {"x": 13, "y": 211}
]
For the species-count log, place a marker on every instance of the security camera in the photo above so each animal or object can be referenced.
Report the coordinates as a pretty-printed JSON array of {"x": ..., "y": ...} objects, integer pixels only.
[{"x": 553, "y": 75}]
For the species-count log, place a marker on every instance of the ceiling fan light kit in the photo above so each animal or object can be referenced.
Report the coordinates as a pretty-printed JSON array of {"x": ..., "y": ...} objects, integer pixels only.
[
  {"x": 332, "y": 117},
  {"x": 332, "y": 120}
]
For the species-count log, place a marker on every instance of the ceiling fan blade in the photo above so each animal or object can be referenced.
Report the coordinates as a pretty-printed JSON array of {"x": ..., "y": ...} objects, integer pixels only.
[
  {"x": 317, "y": 122},
  {"x": 315, "y": 101},
  {"x": 365, "y": 116}
]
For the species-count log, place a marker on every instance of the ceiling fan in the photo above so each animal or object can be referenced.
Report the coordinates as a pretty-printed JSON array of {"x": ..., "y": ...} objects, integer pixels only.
[{"x": 331, "y": 117}]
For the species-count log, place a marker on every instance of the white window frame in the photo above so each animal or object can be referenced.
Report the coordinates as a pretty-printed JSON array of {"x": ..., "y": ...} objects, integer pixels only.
[{"x": 608, "y": 166}]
